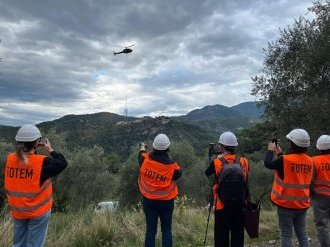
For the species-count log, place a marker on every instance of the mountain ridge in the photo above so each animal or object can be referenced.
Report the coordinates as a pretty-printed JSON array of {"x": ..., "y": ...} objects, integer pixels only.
[{"x": 117, "y": 133}]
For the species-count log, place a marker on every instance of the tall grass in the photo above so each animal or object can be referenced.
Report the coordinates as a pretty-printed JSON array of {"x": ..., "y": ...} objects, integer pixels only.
[{"x": 124, "y": 229}]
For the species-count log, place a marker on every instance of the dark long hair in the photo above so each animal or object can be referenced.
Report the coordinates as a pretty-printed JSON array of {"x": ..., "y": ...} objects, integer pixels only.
[
  {"x": 296, "y": 149},
  {"x": 160, "y": 152},
  {"x": 229, "y": 149}
]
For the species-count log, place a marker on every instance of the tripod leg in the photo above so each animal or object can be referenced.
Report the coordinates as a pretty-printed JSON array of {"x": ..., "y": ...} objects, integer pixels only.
[{"x": 207, "y": 224}]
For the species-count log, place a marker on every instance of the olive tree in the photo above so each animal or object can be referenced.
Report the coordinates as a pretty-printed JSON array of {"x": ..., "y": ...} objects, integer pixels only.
[{"x": 294, "y": 85}]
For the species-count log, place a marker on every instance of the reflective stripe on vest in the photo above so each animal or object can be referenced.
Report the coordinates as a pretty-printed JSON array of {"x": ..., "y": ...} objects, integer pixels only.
[
  {"x": 155, "y": 179},
  {"x": 45, "y": 186},
  {"x": 321, "y": 187},
  {"x": 291, "y": 186},
  {"x": 321, "y": 182},
  {"x": 322, "y": 191},
  {"x": 322, "y": 178},
  {"x": 31, "y": 209},
  {"x": 294, "y": 190},
  {"x": 290, "y": 198}
]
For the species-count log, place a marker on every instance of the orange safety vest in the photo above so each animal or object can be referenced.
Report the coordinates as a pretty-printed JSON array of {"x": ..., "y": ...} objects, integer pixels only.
[
  {"x": 26, "y": 198},
  {"x": 322, "y": 178},
  {"x": 218, "y": 166},
  {"x": 294, "y": 190},
  {"x": 155, "y": 180}
]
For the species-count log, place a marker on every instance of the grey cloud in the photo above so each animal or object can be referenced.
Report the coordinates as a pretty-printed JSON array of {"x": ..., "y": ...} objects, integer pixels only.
[
  {"x": 17, "y": 116},
  {"x": 54, "y": 49}
]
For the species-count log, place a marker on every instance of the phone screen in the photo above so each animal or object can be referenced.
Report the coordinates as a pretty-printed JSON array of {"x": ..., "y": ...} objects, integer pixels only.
[{"x": 42, "y": 142}]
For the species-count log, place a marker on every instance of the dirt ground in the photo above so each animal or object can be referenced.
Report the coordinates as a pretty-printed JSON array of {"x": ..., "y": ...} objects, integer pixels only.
[{"x": 313, "y": 242}]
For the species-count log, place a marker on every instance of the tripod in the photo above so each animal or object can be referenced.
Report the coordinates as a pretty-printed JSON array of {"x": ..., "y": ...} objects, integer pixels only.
[
  {"x": 208, "y": 217},
  {"x": 212, "y": 151}
]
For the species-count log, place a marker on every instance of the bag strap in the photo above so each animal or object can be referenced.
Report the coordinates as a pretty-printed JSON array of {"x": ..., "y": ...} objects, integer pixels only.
[
  {"x": 223, "y": 160},
  {"x": 237, "y": 160}
]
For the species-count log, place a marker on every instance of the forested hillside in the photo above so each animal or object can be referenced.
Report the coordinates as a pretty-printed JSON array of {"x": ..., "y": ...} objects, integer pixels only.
[{"x": 117, "y": 134}]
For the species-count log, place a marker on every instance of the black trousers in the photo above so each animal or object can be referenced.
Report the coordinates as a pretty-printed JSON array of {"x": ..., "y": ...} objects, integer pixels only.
[{"x": 229, "y": 224}]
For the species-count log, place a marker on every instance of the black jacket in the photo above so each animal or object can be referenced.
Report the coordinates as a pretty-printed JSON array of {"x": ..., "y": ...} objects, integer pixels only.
[{"x": 52, "y": 166}]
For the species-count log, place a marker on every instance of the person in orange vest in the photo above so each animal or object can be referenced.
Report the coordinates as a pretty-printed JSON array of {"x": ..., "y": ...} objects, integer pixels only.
[
  {"x": 321, "y": 190},
  {"x": 157, "y": 184},
  {"x": 228, "y": 219},
  {"x": 291, "y": 187},
  {"x": 28, "y": 186}
]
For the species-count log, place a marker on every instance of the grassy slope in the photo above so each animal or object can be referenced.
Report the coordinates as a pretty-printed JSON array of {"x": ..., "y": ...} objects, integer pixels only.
[{"x": 86, "y": 229}]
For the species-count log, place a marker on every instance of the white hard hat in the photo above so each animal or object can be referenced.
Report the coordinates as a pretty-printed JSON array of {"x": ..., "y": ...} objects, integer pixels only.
[
  {"x": 28, "y": 133},
  {"x": 299, "y": 137},
  {"x": 323, "y": 143},
  {"x": 161, "y": 142},
  {"x": 228, "y": 139}
]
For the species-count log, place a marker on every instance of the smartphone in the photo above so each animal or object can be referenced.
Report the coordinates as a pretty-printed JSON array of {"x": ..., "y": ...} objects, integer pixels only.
[
  {"x": 42, "y": 141},
  {"x": 142, "y": 143},
  {"x": 274, "y": 140}
]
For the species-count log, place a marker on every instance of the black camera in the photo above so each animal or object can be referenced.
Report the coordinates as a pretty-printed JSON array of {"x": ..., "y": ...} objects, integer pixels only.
[
  {"x": 214, "y": 150},
  {"x": 274, "y": 140}
]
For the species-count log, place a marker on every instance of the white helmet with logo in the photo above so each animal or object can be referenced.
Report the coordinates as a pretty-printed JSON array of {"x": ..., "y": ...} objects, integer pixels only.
[
  {"x": 28, "y": 133},
  {"x": 161, "y": 142},
  {"x": 228, "y": 139},
  {"x": 323, "y": 143},
  {"x": 299, "y": 137}
]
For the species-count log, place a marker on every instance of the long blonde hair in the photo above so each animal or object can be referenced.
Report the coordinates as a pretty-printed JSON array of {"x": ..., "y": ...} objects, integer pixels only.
[{"x": 20, "y": 152}]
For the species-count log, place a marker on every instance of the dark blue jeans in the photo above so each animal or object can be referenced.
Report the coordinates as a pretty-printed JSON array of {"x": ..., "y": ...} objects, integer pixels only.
[{"x": 164, "y": 210}]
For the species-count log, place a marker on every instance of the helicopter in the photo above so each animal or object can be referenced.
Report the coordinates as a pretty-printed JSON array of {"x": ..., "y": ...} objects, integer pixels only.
[{"x": 126, "y": 50}]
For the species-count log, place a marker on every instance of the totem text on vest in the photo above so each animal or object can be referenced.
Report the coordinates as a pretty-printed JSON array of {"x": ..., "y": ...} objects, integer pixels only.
[
  {"x": 155, "y": 176},
  {"x": 19, "y": 173},
  {"x": 301, "y": 168},
  {"x": 325, "y": 166}
]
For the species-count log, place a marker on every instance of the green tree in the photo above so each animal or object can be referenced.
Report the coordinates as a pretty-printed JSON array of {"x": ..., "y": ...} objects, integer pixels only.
[
  {"x": 85, "y": 181},
  {"x": 193, "y": 183},
  {"x": 294, "y": 85},
  {"x": 113, "y": 162},
  {"x": 5, "y": 149},
  {"x": 256, "y": 138},
  {"x": 127, "y": 188},
  {"x": 260, "y": 181}
]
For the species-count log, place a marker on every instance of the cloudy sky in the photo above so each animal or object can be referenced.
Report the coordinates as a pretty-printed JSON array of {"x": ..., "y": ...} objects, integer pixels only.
[{"x": 58, "y": 54}]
